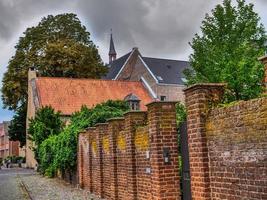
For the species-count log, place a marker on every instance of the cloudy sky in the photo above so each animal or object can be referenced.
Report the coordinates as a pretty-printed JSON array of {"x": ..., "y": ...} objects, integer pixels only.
[{"x": 159, "y": 28}]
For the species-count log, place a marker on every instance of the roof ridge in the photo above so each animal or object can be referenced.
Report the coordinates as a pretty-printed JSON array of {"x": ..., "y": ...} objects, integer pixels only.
[
  {"x": 165, "y": 59},
  {"x": 88, "y": 79}
]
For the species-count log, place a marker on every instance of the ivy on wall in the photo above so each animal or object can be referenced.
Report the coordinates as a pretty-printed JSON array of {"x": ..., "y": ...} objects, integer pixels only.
[{"x": 59, "y": 151}]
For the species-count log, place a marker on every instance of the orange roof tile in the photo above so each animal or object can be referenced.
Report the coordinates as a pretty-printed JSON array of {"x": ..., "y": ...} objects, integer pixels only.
[{"x": 68, "y": 95}]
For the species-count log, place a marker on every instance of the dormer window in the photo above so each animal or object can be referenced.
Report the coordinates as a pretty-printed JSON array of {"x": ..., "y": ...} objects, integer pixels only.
[
  {"x": 133, "y": 101},
  {"x": 160, "y": 78}
]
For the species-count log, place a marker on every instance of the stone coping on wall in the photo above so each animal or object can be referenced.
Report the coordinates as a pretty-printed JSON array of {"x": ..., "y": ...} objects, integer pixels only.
[
  {"x": 239, "y": 105},
  {"x": 115, "y": 119},
  {"x": 134, "y": 112},
  {"x": 90, "y": 128},
  {"x": 205, "y": 85},
  {"x": 161, "y": 102},
  {"x": 101, "y": 124}
]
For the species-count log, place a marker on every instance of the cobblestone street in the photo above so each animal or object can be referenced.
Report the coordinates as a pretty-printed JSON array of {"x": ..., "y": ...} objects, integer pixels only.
[{"x": 22, "y": 184}]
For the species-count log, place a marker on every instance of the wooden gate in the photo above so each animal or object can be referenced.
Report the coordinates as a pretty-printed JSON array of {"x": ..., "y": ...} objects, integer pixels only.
[{"x": 186, "y": 186}]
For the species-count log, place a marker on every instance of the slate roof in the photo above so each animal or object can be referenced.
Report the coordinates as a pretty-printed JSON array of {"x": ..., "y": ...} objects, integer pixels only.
[
  {"x": 115, "y": 66},
  {"x": 167, "y": 71},
  {"x": 68, "y": 95}
]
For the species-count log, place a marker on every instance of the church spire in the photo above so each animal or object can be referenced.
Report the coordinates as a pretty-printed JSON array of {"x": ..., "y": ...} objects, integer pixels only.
[{"x": 112, "y": 52}]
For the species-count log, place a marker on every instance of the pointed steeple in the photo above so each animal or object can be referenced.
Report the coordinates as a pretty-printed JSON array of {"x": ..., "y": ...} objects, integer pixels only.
[{"x": 112, "y": 52}]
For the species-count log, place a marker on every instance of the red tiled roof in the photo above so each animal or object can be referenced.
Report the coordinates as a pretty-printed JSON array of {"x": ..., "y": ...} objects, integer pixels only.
[{"x": 68, "y": 95}]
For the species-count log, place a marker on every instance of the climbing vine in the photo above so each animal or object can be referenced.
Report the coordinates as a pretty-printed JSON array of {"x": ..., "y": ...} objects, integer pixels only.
[{"x": 59, "y": 152}]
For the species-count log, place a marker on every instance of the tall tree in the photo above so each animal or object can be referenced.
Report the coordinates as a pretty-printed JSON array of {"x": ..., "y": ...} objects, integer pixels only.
[
  {"x": 232, "y": 39},
  {"x": 58, "y": 46},
  {"x": 17, "y": 127},
  {"x": 46, "y": 122}
]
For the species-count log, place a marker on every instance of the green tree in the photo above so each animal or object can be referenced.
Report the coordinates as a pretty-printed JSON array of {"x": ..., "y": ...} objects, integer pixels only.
[
  {"x": 227, "y": 50},
  {"x": 45, "y": 123},
  {"x": 58, "y": 46},
  {"x": 17, "y": 127}
]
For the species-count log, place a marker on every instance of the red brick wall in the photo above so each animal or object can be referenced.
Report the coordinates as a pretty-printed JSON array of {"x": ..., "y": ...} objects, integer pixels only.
[
  {"x": 132, "y": 121},
  {"x": 85, "y": 160},
  {"x": 121, "y": 164},
  {"x": 165, "y": 180},
  {"x": 142, "y": 154},
  {"x": 237, "y": 145},
  {"x": 14, "y": 148},
  {"x": 127, "y": 156},
  {"x": 227, "y": 146},
  {"x": 115, "y": 126}
]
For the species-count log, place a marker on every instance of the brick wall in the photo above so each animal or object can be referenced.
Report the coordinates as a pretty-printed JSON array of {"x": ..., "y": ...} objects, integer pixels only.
[
  {"x": 227, "y": 146},
  {"x": 127, "y": 160},
  {"x": 237, "y": 143}
]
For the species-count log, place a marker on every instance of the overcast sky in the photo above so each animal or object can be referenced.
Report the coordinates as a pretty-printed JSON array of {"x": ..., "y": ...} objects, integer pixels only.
[{"x": 159, "y": 28}]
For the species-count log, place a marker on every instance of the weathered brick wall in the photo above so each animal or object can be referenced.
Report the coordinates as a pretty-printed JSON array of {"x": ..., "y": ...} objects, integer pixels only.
[
  {"x": 227, "y": 146},
  {"x": 237, "y": 145},
  {"x": 97, "y": 167},
  {"x": 116, "y": 125},
  {"x": 143, "y": 167},
  {"x": 127, "y": 161},
  {"x": 120, "y": 140}
]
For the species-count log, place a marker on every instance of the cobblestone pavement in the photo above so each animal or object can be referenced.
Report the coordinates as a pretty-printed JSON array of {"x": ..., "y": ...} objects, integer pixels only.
[
  {"x": 10, "y": 184},
  {"x": 26, "y": 185}
]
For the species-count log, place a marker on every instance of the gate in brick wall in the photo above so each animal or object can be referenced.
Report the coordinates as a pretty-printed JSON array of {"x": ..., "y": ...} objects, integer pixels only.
[{"x": 185, "y": 176}]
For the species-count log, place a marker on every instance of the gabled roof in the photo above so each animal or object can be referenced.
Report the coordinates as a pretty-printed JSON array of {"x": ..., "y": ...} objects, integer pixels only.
[
  {"x": 167, "y": 71},
  {"x": 68, "y": 95},
  {"x": 116, "y": 65}
]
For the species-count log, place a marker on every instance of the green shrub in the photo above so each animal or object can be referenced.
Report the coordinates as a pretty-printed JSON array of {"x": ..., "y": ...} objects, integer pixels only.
[
  {"x": 45, "y": 123},
  {"x": 59, "y": 152}
]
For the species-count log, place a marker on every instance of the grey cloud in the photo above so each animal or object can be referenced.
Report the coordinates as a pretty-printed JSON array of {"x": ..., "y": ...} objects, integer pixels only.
[
  {"x": 158, "y": 27},
  {"x": 161, "y": 28},
  {"x": 17, "y": 13}
]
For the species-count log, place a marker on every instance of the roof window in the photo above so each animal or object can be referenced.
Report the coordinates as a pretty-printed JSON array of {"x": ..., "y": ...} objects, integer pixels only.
[{"x": 159, "y": 78}]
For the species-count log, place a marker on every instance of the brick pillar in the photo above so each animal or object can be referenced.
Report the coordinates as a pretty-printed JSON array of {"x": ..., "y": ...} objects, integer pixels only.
[
  {"x": 165, "y": 180},
  {"x": 198, "y": 99},
  {"x": 85, "y": 159},
  {"x": 90, "y": 132},
  {"x": 115, "y": 125},
  {"x": 132, "y": 119},
  {"x": 80, "y": 160},
  {"x": 101, "y": 130},
  {"x": 264, "y": 61}
]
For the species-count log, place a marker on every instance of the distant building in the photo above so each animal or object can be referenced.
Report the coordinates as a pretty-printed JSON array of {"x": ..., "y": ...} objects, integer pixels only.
[
  {"x": 7, "y": 147},
  {"x": 164, "y": 78},
  {"x": 68, "y": 95}
]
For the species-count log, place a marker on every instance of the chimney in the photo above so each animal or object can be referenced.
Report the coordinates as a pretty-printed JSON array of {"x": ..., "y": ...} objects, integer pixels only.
[
  {"x": 32, "y": 73},
  {"x": 264, "y": 61}
]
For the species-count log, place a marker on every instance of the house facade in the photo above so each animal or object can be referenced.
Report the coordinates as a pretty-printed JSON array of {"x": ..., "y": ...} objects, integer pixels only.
[
  {"x": 68, "y": 95},
  {"x": 164, "y": 78},
  {"x": 7, "y": 147}
]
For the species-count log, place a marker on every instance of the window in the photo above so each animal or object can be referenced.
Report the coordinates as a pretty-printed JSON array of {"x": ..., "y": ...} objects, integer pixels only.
[
  {"x": 163, "y": 98},
  {"x": 133, "y": 101},
  {"x": 134, "y": 105},
  {"x": 159, "y": 78}
]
